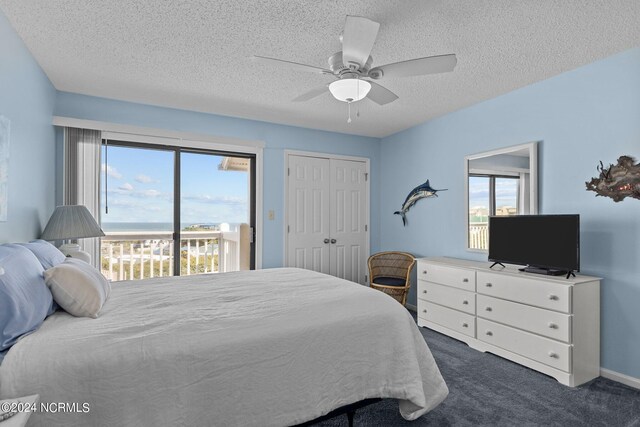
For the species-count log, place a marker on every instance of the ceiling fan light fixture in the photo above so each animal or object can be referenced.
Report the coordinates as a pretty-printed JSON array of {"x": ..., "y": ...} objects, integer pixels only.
[{"x": 349, "y": 90}]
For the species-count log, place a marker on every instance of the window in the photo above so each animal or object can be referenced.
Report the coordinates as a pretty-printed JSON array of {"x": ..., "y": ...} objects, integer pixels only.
[
  {"x": 490, "y": 195},
  {"x": 171, "y": 211}
]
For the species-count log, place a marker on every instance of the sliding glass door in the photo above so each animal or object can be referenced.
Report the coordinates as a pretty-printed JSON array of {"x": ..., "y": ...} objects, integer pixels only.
[
  {"x": 216, "y": 213},
  {"x": 137, "y": 212},
  {"x": 171, "y": 211}
]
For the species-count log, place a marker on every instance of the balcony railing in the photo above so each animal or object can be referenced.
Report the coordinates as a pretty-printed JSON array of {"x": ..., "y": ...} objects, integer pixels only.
[
  {"x": 478, "y": 235},
  {"x": 144, "y": 255}
]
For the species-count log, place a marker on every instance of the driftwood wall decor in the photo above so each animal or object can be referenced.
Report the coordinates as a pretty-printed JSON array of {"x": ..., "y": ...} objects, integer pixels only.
[{"x": 617, "y": 181}]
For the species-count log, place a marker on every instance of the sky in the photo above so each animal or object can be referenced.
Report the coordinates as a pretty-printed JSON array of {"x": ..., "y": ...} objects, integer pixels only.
[
  {"x": 506, "y": 192},
  {"x": 140, "y": 188}
]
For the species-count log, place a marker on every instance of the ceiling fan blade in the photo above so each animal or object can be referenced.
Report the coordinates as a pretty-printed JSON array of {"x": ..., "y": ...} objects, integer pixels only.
[
  {"x": 416, "y": 67},
  {"x": 289, "y": 64},
  {"x": 380, "y": 94},
  {"x": 357, "y": 40},
  {"x": 311, "y": 94}
]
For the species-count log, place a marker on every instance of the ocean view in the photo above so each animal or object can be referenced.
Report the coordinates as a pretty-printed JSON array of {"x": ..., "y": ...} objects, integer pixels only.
[{"x": 146, "y": 226}]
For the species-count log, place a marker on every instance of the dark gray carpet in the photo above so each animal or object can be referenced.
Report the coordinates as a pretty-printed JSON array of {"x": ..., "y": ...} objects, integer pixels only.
[{"x": 486, "y": 390}]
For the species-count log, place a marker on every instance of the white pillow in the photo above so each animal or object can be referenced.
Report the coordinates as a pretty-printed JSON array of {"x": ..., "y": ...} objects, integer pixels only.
[{"x": 77, "y": 287}]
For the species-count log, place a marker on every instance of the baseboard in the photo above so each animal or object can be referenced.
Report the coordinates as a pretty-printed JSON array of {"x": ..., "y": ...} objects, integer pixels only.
[
  {"x": 621, "y": 378},
  {"x": 411, "y": 307}
]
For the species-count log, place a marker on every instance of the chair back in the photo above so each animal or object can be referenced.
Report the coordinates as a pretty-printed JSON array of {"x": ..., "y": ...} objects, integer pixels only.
[{"x": 391, "y": 264}]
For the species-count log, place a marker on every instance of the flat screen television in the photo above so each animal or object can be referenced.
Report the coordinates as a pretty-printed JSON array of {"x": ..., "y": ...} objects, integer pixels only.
[{"x": 546, "y": 244}]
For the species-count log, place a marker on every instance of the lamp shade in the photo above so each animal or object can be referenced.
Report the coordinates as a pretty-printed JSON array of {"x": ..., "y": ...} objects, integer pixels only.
[
  {"x": 349, "y": 90},
  {"x": 71, "y": 222}
]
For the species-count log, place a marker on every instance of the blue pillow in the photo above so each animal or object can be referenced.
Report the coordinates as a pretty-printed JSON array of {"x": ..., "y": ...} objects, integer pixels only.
[
  {"x": 25, "y": 300},
  {"x": 48, "y": 255}
]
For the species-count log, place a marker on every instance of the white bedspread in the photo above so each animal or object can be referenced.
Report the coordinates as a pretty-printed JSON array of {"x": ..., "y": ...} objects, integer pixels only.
[{"x": 272, "y": 347}]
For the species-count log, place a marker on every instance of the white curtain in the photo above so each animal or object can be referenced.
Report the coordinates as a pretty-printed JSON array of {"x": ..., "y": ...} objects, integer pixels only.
[{"x": 82, "y": 149}]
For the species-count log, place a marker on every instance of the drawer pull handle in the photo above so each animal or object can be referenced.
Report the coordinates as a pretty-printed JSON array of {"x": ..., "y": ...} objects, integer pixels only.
[
  {"x": 488, "y": 285},
  {"x": 424, "y": 271},
  {"x": 465, "y": 325},
  {"x": 465, "y": 280},
  {"x": 424, "y": 292},
  {"x": 553, "y": 355},
  {"x": 489, "y": 333},
  {"x": 488, "y": 309},
  {"x": 424, "y": 311},
  {"x": 553, "y": 325},
  {"x": 553, "y": 297},
  {"x": 465, "y": 302}
]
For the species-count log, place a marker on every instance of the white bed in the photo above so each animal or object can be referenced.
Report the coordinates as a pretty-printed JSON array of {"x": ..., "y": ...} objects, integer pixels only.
[{"x": 271, "y": 347}]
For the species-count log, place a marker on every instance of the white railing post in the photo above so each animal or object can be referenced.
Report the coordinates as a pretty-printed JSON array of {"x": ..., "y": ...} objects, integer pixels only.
[
  {"x": 142, "y": 261},
  {"x": 197, "y": 254},
  {"x": 152, "y": 248},
  {"x": 110, "y": 252},
  {"x": 161, "y": 272},
  {"x": 171, "y": 257},
  {"x": 221, "y": 255},
  {"x": 188, "y": 257},
  {"x": 131, "y": 261},
  {"x": 206, "y": 254},
  {"x": 121, "y": 267}
]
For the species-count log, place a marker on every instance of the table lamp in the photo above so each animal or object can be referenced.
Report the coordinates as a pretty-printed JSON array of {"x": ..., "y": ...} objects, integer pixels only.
[{"x": 72, "y": 222}]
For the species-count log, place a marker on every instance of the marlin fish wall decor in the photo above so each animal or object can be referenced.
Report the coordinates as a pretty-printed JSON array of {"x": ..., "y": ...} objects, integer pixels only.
[{"x": 422, "y": 191}]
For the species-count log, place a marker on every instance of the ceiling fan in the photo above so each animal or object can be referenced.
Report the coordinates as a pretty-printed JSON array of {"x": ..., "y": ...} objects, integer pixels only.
[{"x": 352, "y": 67}]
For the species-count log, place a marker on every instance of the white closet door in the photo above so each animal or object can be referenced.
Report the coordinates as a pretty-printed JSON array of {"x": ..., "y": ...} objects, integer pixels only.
[
  {"x": 348, "y": 220},
  {"x": 308, "y": 213}
]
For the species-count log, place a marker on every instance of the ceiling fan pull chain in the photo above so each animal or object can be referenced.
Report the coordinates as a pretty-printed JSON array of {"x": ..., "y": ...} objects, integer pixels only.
[{"x": 349, "y": 107}]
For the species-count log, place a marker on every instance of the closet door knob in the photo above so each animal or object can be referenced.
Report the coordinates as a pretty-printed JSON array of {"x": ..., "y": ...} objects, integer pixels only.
[
  {"x": 333, "y": 240},
  {"x": 326, "y": 241}
]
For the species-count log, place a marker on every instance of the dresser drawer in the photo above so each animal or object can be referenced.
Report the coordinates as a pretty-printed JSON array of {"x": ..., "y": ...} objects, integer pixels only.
[
  {"x": 549, "y": 323},
  {"x": 540, "y": 293},
  {"x": 449, "y": 318},
  {"x": 543, "y": 350},
  {"x": 457, "y": 277},
  {"x": 449, "y": 297}
]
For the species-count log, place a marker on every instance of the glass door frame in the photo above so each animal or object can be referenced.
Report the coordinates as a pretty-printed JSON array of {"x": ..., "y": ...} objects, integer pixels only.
[
  {"x": 492, "y": 188},
  {"x": 177, "y": 150}
]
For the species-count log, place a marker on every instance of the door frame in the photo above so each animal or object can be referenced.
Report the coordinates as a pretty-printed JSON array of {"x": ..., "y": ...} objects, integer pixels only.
[
  {"x": 329, "y": 156},
  {"x": 151, "y": 142}
]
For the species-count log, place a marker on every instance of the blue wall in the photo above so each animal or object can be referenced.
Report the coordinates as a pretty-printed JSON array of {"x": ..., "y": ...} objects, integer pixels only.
[
  {"x": 277, "y": 139},
  {"x": 581, "y": 117},
  {"x": 27, "y": 99}
]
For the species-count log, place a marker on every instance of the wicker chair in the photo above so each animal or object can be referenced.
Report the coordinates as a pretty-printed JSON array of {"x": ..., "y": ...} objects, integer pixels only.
[{"x": 390, "y": 272}]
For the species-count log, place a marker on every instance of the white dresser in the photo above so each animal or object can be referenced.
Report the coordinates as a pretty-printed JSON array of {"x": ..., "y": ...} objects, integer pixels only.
[{"x": 548, "y": 323}]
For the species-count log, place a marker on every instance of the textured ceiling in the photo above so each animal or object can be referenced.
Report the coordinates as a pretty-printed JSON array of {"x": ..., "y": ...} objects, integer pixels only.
[{"x": 193, "y": 54}]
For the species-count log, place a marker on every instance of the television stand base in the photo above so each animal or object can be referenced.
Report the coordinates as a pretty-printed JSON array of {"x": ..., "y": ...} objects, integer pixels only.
[
  {"x": 497, "y": 263},
  {"x": 547, "y": 271}
]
